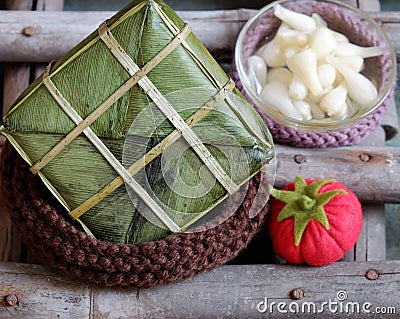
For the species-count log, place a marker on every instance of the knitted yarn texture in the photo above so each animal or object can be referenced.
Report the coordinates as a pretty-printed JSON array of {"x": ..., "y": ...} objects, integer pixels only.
[
  {"x": 61, "y": 245},
  {"x": 340, "y": 21},
  {"x": 320, "y": 243}
]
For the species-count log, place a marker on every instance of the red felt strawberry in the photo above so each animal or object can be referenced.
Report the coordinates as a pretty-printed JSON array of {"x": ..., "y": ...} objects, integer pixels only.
[{"x": 314, "y": 221}]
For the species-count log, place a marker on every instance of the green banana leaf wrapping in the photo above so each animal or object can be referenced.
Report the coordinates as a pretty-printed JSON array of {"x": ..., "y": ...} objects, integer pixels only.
[{"x": 176, "y": 177}]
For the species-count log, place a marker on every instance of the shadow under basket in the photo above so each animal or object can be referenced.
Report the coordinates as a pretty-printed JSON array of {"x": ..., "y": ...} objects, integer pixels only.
[
  {"x": 61, "y": 245},
  {"x": 345, "y": 136}
]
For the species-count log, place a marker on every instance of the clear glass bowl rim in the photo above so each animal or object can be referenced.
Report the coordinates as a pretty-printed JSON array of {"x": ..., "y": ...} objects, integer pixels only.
[{"x": 314, "y": 125}]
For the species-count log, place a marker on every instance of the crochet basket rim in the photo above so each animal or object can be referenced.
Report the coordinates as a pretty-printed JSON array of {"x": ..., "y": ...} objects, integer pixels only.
[
  {"x": 349, "y": 136},
  {"x": 64, "y": 247}
]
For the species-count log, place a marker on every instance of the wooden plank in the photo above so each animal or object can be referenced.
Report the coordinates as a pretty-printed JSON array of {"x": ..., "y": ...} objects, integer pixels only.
[
  {"x": 16, "y": 78},
  {"x": 10, "y": 240},
  {"x": 235, "y": 293},
  {"x": 41, "y": 293},
  {"x": 376, "y": 180},
  {"x": 373, "y": 173},
  {"x": 56, "y": 33},
  {"x": 227, "y": 292},
  {"x": 392, "y": 29},
  {"x": 19, "y": 4},
  {"x": 353, "y": 3},
  {"x": 375, "y": 232},
  {"x": 371, "y": 244},
  {"x": 390, "y": 123},
  {"x": 46, "y": 44},
  {"x": 49, "y": 5},
  {"x": 369, "y": 5},
  {"x": 350, "y": 256},
  {"x": 390, "y": 23},
  {"x": 40, "y": 5},
  {"x": 360, "y": 250}
]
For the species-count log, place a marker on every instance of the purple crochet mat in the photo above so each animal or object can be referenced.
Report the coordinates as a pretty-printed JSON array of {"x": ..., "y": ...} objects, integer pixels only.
[
  {"x": 362, "y": 36},
  {"x": 59, "y": 244}
]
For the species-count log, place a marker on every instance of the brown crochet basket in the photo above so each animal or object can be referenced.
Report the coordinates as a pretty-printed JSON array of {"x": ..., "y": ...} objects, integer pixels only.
[{"x": 40, "y": 220}]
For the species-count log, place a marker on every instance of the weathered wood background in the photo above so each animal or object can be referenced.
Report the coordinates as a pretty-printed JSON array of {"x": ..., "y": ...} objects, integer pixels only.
[
  {"x": 17, "y": 77},
  {"x": 228, "y": 292},
  {"x": 371, "y": 170},
  {"x": 218, "y": 30}
]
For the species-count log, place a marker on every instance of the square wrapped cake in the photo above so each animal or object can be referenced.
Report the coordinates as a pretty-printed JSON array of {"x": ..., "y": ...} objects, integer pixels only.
[{"x": 137, "y": 131}]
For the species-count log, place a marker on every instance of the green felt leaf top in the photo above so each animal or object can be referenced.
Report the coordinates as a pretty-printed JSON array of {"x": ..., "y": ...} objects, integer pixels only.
[{"x": 305, "y": 204}]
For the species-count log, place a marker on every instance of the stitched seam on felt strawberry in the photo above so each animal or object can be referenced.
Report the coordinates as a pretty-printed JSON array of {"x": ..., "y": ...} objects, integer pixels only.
[{"x": 304, "y": 204}]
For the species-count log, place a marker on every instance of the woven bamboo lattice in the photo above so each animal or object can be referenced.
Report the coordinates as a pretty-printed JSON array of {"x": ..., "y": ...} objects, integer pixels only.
[{"x": 141, "y": 103}]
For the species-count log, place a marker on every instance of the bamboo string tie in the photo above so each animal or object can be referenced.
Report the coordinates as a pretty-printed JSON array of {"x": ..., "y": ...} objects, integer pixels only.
[
  {"x": 155, "y": 151},
  {"x": 107, "y": 154},
  {"x": 171, "y": 114},
  {"x": 125, "y": 87}
]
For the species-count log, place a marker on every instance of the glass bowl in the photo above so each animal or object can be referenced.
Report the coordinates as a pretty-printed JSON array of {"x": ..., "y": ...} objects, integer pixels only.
[{"x": 360, "y": 29}]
